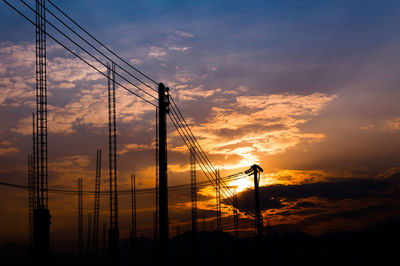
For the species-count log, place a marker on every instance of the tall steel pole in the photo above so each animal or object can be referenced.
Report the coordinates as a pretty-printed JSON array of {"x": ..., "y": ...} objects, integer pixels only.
[
  {"x": 80, "y": 221},
  {"x": 113, "y": 233},
  {"x": 133, "y": 220},
  {"x": 193, "y": 187},
  {"x": 96, "y": 209},
  {"x": 257, "y": 171},
  {"x": 163, "y": 109},
  {"x": 41, "y": 214}
]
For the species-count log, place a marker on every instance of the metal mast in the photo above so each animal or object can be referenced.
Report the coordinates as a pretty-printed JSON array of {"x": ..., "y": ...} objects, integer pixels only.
[
  {"x": 31, "y": 197},
  {"x": 32, "y": 183},
  {"x": 113, "y": 233},
  {"x": 193, "y": 187},
  {"x": 156, "y": 218},
  {"x": 235, "y": 214},
  {"x": 133, "y": 219},
  {"x": 41, "y": 216},
  {"x": 218, "y": 199},
  {"x": 163, "y": 105},
  {"x": 80, "y": 220},
  {"x": 96, "y": 206},
  {"x": 257, "y": 173}
]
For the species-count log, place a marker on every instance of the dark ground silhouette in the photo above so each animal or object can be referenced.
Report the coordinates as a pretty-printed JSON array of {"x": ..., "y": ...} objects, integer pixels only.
[{"x": 377, "y": 245}]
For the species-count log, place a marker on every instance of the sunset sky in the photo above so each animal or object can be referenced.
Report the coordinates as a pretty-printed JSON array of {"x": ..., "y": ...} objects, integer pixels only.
[{"x": 309, "y": 90}]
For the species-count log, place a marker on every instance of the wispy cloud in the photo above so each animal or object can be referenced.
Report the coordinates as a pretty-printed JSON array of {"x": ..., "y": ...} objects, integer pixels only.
[
  {"x": 180, "y": 49},
  {"x": 184, "y": 34},
  {"x": 392, "y": 125},
  {"x": 158, "y": 53},
  {"x": 250, "y": 127}
]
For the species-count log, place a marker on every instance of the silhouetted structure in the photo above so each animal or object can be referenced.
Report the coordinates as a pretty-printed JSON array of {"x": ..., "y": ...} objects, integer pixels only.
[
  {"x": 113, "y": 232},
  {"x": 156, "y": 220},
  {"x": 218, "y": 201},
  {"x": 32, "y": 185},
  {"x": 220, "y": 241},
  {"x": 96, "y": 207},
  {"x": 80, "y": 221},
  {"x": 163, "y": 109},
  {"x": 41, "y": 214},
  {"x": 157, "y": 203},
  {"x": 133, "y": 239},
  {"x": 193, "y": 191},
  {"x": 257, "y": 173},
  {"x": 235, "y": 214}
]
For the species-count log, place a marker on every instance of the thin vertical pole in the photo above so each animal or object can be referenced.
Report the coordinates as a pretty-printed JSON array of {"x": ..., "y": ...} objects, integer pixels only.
[
  {"x": 134, "y": 208},
  {"x": 257, "y": 174},
  {"x": 235, "y": 214},
  {"x": 133, "y": 220},
  {"x": 193, "y": 186},
  {"x": 113, "y": 232},
  {"x": 163, "y": 105},
  {"x": 96, "y": 204},
  {"x": 41, "y": 214},
  {"x": 156, "y": 224},
  {"x": 156, "y": 228},
  {"x": 30, "y": 200},
  {"x": 80, "y": 219},
  {"x": 33, "y": 168}
]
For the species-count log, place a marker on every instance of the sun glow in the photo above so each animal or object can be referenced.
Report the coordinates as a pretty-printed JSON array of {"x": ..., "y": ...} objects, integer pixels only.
[{"x": 242, "y": 184}]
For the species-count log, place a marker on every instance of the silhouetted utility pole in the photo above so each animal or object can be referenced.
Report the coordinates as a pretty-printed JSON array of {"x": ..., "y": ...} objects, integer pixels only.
[
  {"x": 156, "y": 226},
  {"x": 96, "y": 210},
  {"x": 220, "y": 240},
  {"x": 257, "y": 173},
  {"x": 218, "y": 201},
  {"x": 41, "y": 214},
  {"x": 31, "y": 197},
  {"x": 193, "y": 187},
  {"x": 235, "y": 214},
  {"x": 133, "y": 220},
  {"x": 235, "y": 249},
  {"x": 156, "y": 219},
  {"x": 163, "y": 109},
  {"x": 32, "y": 186},
  {"x": 80, "y": 220},
  {"x": 113, "y": 232}
]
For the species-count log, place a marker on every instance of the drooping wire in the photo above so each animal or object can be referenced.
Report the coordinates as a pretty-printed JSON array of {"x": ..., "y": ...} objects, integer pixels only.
[
  {"x": 185, "y": 138},
  {"x": 104, "y": 46},
  {"x": 201, "y": 184},
  {"x": 192, "y": 140},
  {"x": 91, "y": 45},
  {"x": 78, "y": 56},
  {"x": 228, "y": 200},
  {"x": 83, "y": 49}
]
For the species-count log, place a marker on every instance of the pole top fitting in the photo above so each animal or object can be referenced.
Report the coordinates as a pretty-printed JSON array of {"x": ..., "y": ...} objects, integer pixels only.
[{"x": 257, "y": 168}]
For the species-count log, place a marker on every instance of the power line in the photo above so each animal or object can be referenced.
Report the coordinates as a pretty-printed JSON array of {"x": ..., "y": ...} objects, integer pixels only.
[
  {"x": 190, "y": 146},
  {"x": 60, "y": 31},
  {"x": 104, "y": 46},
  {"x": 85, "y": 40},
  {"x": 78, "y": 56},
  {"x": 177, "y": 117},
  {"x": 201, "y": 184}
]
